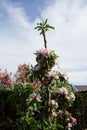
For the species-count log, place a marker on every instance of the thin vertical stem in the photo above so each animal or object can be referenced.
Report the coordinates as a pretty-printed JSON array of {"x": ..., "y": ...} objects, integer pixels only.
[{"x": 45, "y": 41}]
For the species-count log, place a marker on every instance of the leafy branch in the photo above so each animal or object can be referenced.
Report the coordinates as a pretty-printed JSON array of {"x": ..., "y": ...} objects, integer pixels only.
[{"x": 43, "y": 27}]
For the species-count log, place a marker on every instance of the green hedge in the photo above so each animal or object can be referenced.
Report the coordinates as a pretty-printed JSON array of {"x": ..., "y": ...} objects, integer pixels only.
[
  {"x": 79, "y": 110},
  {"x": 9, "y": 106},
  {"x": 7, "y": 110}
]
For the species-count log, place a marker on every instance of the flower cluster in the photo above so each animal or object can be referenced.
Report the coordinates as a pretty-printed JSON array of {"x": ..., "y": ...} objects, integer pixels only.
[
  {"x": 34, "y": 96},
  {"x": 44, "y": 52},
  {"x": 46, "y": 58},
  {"x": 5, "y": 78},
  {"x": 63, "y": 91},
  {"x": 63, "y": 76},
  {"x": 36, "y": 85},
  {"x": 54, "y": 103},
  {"x": 22, "y": 74},
  {"x": 68, "y": 120},
  {"x": 69, "y": 96},
  {"x": 51, "y": 74}
]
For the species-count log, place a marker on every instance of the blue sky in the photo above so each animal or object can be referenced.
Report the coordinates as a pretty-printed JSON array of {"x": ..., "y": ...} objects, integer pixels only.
[
  {"x": 32, "y": 8},
  {"x": 19, "y": 40}
]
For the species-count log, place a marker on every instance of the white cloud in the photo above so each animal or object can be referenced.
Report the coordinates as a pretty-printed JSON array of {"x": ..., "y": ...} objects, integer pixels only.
[
  {"x": 78, "y": 77},
  {"x": 19, "y": 40}
]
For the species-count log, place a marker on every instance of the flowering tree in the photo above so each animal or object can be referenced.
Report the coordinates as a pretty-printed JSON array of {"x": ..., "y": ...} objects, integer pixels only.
[
  {"x": 51, "y": 95},
  {"x": 22, "y": 73},
  {"x": 5, "y": 79}
]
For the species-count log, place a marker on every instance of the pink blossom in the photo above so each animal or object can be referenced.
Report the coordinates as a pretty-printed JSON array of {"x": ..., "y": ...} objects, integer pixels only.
[
  {"x": 54, "y": 103},
  {"x": 51, "y": 74},
  {"x": 46, "y": 53},
  {"x": 5, "y": 78},
  {"x": 69, "y": 125},
  {"x": 73, "y": 120},
  {"x": 72, "y": 96},
  {"x": 54, "y": 114},
  {"x": 21, "y": 75},
  {"x": 66, "y": 112},
  {"x": 37, "y": 89},
  {"x": 64, "y": 74},
  {"x": 38, "y": 98},
  {"x": 60, "y": 112},
  {"x": 68, "y": 98},
  {"x": 35, "y": 96},
  {"x": 63, "y": 90},
  {"x": 36, "y": 85}
]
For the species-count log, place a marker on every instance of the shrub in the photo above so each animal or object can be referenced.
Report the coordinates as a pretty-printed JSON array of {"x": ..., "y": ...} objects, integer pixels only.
[
  {"x": 22, "y": 73},
  {"x": 5, "y": 79}
]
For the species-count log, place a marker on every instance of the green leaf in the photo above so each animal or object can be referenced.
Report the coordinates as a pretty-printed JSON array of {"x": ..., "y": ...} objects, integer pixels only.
[
  {"x": 50, "y": 26},
  {"x": 45, "y": 22},
  {"x": 60, "y": 126},
  {"x": 37, "y": 27}
]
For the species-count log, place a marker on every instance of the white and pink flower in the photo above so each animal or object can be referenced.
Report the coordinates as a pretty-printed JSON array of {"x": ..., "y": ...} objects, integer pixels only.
[
  {"x": 69, "y": 125},
  {"x": 35, "y": 96},
  {"x": 5, "y": 78},
  {"x": 66, "y": 112},
  {"x": 60, "y": 112},
  {"x": 54, "y": 114},
  {"x": 72, "y": 96},
  {"x": 46, "y": 53},
  {"x": 51, "y": 74},
  {"x": 54, "y": 103},
  {"x": 63, "y": 90},
  {"x": 64, "y": 74},
  {"x": 73, "y": 120}
]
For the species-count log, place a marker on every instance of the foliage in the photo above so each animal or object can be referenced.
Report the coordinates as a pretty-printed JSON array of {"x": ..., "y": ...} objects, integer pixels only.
[
  {"x": 7, "y": 109},
  {"x": 9, "y": 117},
  {"x": 79, "y": 110}
]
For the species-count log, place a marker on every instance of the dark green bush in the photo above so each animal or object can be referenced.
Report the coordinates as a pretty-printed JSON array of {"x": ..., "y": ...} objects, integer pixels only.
[
  {"x": 9, "y": 107},
  {"x": 79, "y": 110},
  {"x": 13, "y": 106}
]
